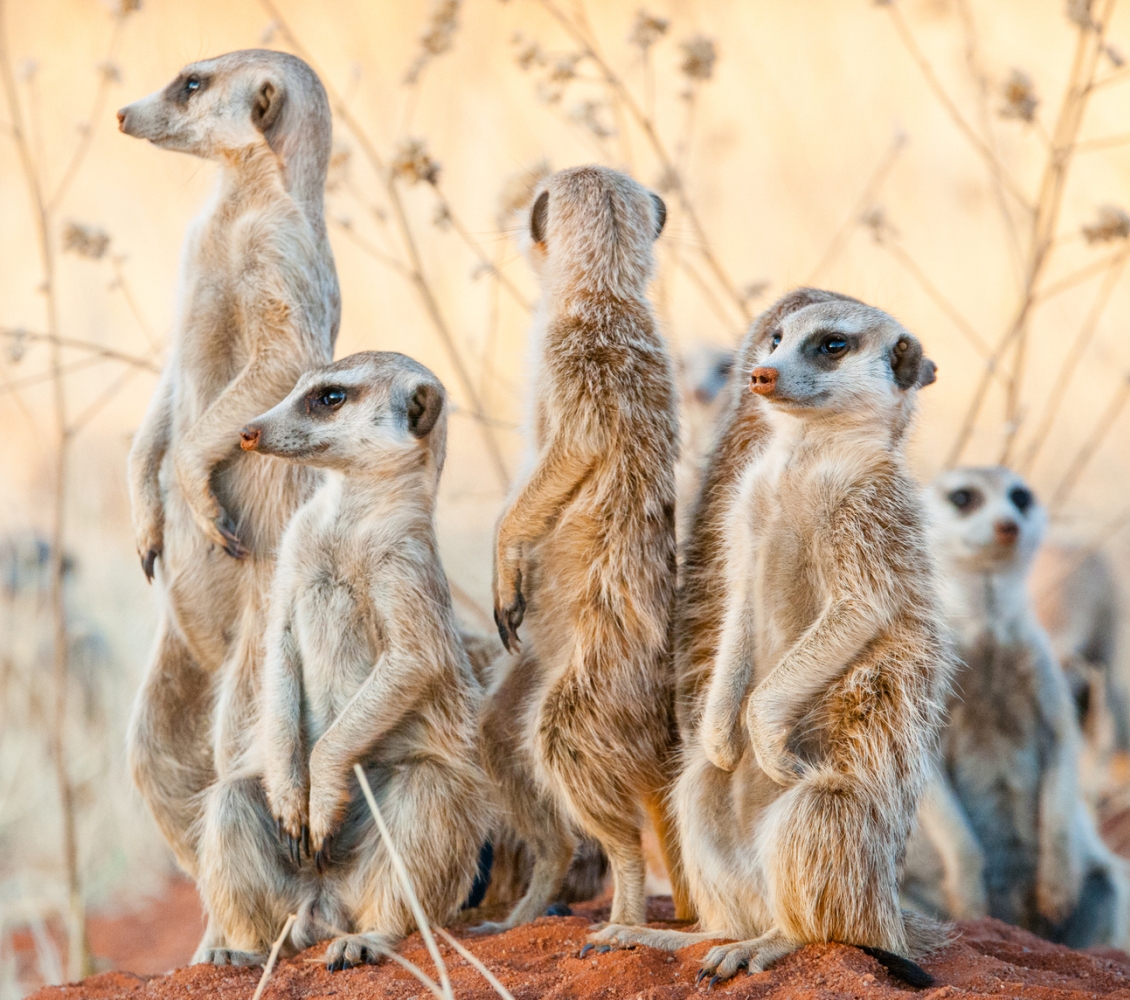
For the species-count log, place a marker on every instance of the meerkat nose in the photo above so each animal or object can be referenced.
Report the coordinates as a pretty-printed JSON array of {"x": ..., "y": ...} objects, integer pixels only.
[
  {"x": 1006, "y": 532},
  {"x": 763, "y": 381},
  {"x": 121, "y": 120},
  {"x": 249, "y": 438}
]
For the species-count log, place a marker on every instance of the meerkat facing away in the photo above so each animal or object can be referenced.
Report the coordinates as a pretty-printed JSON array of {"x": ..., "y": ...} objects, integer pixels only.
[
  {"x": 579, "y": 732},
  {"x": 801, "y": 784},
  {"x": 364, "y": 665},
  {"x": 1009, "y": 749},
  {"x": 740, "y": 431},
  {"x": 259, "y": 305}
]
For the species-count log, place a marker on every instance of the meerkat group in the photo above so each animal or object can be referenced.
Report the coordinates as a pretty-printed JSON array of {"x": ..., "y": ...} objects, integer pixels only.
[{"x": 775, "y": 707}]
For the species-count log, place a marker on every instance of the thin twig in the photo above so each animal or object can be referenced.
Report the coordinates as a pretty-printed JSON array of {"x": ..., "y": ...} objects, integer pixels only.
[
  {"x": 1104, "y": 142},
  {"x": 866, "y": 200},
  {"x": 1088, "y": 448},
  {"x": 1069, "y": 281},
  {"x": 932, "y": 81},
  {"x": 273, "y": 957},
  {"x": 85, "y": 345},
  {"x": 123, "y": 286},
  {"x": 405, "y": 882},
  {"x": 1071, "y": 361}
]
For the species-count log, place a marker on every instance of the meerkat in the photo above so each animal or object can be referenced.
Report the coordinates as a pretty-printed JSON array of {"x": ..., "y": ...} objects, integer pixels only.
[
  {"x": 1010, "y": 746},
  {"x": 578, "y": 731},
  {"x": 364, "y": 665},
  {"x": 703, "y": 373},
  {"x": 741, "y": 430},
  {"x": 259, "y": 305},
  {"x": 817, "y": 728}
]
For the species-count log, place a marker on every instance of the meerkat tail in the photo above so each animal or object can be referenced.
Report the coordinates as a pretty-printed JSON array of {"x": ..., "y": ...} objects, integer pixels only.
[{"x": 909, "y": 972}]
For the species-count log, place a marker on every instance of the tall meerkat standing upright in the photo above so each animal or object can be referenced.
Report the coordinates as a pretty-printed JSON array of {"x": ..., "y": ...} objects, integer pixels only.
[
  {"x": 800, "y": 786},
  {"x": 579, "y": 730},
  {"x": 259, "y": 305},
  {"x": 1010, "y": 747},
  {"x": 742, "y": 429},
  {"x": 364, "y": 666}
]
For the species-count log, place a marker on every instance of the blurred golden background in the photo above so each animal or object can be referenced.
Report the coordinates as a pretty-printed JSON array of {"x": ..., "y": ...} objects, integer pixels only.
[{"x": 964, "y": 164}]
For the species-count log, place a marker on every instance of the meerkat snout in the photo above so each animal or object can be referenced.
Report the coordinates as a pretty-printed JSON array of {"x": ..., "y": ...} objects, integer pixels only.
[
  {"x": 763, "y": 381},
  {"x": 249, "y": 438},
  {"x": 1006, "y": 532}
]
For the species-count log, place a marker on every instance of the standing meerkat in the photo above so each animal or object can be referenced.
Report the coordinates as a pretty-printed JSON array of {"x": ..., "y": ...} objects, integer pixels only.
[
  {"x": 578, "y": 732},
  {"x": 1010, "y": 748},
  {"x": 259, "y": 305},
  {"x": 364, "y": 665},
  {"x": 800, "y": 788},
  {"x": 741, "y": 430}
]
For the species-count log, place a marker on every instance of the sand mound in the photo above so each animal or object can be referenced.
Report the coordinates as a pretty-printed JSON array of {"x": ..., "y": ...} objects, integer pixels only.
[{"x": 541, "y": 960}]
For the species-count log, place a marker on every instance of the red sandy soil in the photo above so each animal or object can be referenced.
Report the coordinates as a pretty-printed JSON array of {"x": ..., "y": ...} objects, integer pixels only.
[{"x": 540, "y": 960}]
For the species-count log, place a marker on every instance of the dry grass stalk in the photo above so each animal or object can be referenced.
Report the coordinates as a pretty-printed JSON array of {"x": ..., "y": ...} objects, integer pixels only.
[
  {"x": 483, "y": 971},
  {"x": 1102, "y": 427},
  {"x": 273, "y": 957}
]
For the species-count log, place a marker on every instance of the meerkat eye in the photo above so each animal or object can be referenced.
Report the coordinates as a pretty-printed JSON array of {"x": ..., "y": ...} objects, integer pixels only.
[
  {"x": 965, "y": 500},
  {"x": 192, "y": 84},
  {"x": 329, "y": 398},
  {"x": 833, "y": 345},
  {"x": 774, "y": 343},
  {"x": 1021, "y": 498}
]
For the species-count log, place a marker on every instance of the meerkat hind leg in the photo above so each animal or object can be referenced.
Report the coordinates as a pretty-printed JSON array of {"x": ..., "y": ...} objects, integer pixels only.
[
  {"x": 553, "y": 853},
  {"x": 724, "y": 960},
  {"x": 623, "y": 936}
]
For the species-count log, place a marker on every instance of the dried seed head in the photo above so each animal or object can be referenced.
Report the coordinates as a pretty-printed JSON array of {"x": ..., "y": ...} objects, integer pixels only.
[
  {"x": 755, "y": 290},
  {"x": 647, "y": 29},
  {"x": 412, "y": 163},
  {"x": 875, "y": 219},
  {"x": 111, "y": 72},
  {"x": 699, "y": 56},
  {"x": 1079, "y": 12},
  {"x": 587, "y": 113},
  {"x": 1117, "y": 59},
  {"x": 1111, "y": 223},
  {"x": 1020, "y": 100},
  {"x": 338, "y": 172},
  {"x": 86, "y": 241},
  {"x": 17, "y": 345},
  {"x": 438, "y": 37},
  {"x": 441, "y": 219},
  {"x": 529, "y": 52},
  {"x": 668, "y": 181}
]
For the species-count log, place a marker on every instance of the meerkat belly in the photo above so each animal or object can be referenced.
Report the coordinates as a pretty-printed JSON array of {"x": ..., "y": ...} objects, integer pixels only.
[
  {"x": 336, "y": 659},
  {"x": 994, "y": 751},
  {"x": 784, "y": 596}
]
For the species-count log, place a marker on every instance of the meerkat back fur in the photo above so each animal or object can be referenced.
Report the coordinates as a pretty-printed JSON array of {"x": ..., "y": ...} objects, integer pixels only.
[
  {"x": 364, "y": 665},
  {"x": 259, "y": 305},
  {"x": 579, "y": 730},
  {"x": 801, "y": 783},
  {"x": 1010, "y": 746}
]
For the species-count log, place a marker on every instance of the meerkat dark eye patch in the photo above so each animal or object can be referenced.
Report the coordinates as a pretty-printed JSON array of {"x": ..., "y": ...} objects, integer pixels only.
[
  {"x": 424, "y": 408},
  {"x": 1021, "y": 498},
  {"x": 660, "y": 214},
  {"x": 538, "y": 217},
  {"x": 965, "y": 500},
  {"x": 183, "y": 88},
  {"x": 325, "y": 400},
  {"x": 267, "y": 107}
]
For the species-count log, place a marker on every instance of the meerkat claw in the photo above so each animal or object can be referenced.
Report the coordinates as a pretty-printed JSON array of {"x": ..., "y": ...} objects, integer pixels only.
[
  {"x": 147, "y": 563},
  {"x": 232, "y": 545},
  {"x": 586, "y": 949}
]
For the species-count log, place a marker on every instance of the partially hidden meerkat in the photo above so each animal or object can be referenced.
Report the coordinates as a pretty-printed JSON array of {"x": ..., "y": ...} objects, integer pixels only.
[
  {"x": 259, "y": 305},
  {"x": 579, "y": 730},
  {"x": 1010, "y": 746},
  {"x": 364, "y": 665},
  {"x": 824, "y": 701}
]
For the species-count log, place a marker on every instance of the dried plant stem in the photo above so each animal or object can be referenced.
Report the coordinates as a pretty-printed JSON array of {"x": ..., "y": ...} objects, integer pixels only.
[
  {"x": 78, "y": 958},
  {"x": 416, "y": 275},
  {"x": 123, "y": 286},
  {"x": 1104, "y": 142},
  {"x": 465, "y": 953},
  {"x": 1079, "y": 463},
  {"x": 1071, "y": 361},
  {"x": 405, "y": 882},
  {"x": 1066, "y": 283},
  {"x": 588, "y": 45},
  {"x": 107, "y": 353},
  {"x": 273, "y": 957},
  {"x": 996, "y": 168},
  {"x": 870, "y": 191}
]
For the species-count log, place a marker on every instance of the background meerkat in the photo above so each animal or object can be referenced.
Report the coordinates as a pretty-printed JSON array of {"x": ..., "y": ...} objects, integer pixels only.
[
  {"x": 740, "y": 431},
  {"x": 579, "y": 731},
  {"x": 1010, "y": 746},
  {"x": 826, "y": 696},
  {"x": 364, "y": 665},
  {"x": 260, "y": 305}
]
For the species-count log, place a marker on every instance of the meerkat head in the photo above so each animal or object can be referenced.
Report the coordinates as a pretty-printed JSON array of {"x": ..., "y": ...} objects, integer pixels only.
[
  {"x": 365, "y": 413},
  {"x": 592, "y": 228},
  {"x": 224, "y": 105},
  {"x": 985, "y": 519},
  {"x": 704, "y": 372},
  {"x": 838, "y": 356}
]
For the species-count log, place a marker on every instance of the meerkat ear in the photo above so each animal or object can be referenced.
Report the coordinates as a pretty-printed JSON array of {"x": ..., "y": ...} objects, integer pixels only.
[
  {"x": 910, "y": 366},
  {"x": 424, "y": 408},
  {"x": 267, "y": 107},
  {"x": 660, "y": 214},
  {"x": 537, "y": 217}
]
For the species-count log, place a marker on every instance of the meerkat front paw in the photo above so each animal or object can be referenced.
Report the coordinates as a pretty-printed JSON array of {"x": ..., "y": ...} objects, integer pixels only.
[
  {"x": 288, "y": 802},
  {"x": 768, "y": 737},
  {"x": 150, "y": 538},
  {"x": 328, "y": 800},
  {"x": 722, "y": 741},
  {"x": 509, "y": 603},
  {"x": 214, "y": 522}
]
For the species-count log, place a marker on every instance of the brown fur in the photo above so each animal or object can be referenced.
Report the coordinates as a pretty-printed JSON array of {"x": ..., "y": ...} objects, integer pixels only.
[
  {"x": 260, "y": 305},
  {"x": 579, "y": 731}
]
